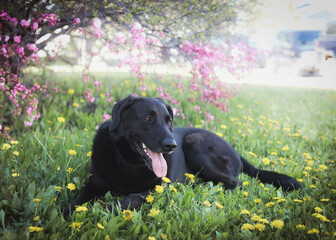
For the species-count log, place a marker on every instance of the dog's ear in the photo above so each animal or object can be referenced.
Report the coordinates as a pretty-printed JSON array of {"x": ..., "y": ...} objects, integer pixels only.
[
  {"x": 118, "y": 109},
  {"x": 171, "y": 113}
]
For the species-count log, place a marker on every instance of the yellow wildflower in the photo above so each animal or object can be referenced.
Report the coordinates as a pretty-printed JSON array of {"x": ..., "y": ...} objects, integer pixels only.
[
  {"x": 285, "y": 148},
  {"x": 35, "y": 229},
  {"x": 6, "y": 146},
  {"x": 89, "y": 154},
  {"x": 76, "y": 225},
  {"x": 245, "y": 183},
  {"x": 266, "y": 161},
  {"x": 37, "y": 200},
  {"x": 325, "y": 200},
  {"x": 72, "y": 152},
  {"x": 318, "y": 209},
  {"x": 81, "y": 209},
  {"x": 260, "y": 227},
  {"x": 71, "y": 186},
  {"x": 58, "y": 188},
  {"x": 15, "y": 175},
  {"x": 257, "y": 201},
  {"x": 159, "y": 189},
  {"x": 128, "y": 215},
  {"x": 223, "y": 126},
  {"x": 171, "y": 187},
  {"x": 244, "y": 211},
  {"x": 166, "y": 180},
  {"x": 14, "y": 142},
  {"x": 207, "y": 203},
  {"x": 75, "y": 104},
  {"x": 163, "y": 236},
  {"x": 71, "y": 91},
  {"x": 100, "y": 226},
  {"x": 16, "y": 153},
  {"x": 300, "y": 226},
  {"x": 219, "y": 134},
  {"x": 247, "y": 226},
  {"x": 255, "y": 218},
  {"x": 277, "y": 224},
  {"x": 61, "y": 119},
  {"x": 313, "y": 230},
  {"x": 190, "y": 176},
  {"x": 151, "y": 238},
  {"x": 36, "y": 218},
  {"x": 69, "y": 170},
  {"x": 245, "y": 194},
  {"x": 153, "y": 212},
  {"x": 218, "y": 205},
  {"x": 150, "y": 198}
]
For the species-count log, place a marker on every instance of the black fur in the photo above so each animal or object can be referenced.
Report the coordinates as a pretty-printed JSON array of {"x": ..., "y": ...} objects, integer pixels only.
[{"x": 119, "y": 164}]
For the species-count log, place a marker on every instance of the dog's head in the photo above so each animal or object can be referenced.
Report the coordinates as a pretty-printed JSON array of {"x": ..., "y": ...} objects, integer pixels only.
[{"x": 147, "y": 125}]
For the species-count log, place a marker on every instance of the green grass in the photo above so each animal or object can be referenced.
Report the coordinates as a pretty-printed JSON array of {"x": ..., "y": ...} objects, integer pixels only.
[{"x": 295, "y": 129}]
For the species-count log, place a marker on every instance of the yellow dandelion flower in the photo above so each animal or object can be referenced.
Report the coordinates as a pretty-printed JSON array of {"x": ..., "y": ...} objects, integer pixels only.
[
  {"x": 81, "y": 209},
  {"x": 107, "y": 237},
  {"x": 266, "y": 161},
  {"x": 76, "y": 225},
  {"x": 100, "y": 226},
  {"x": 58, "y": 188},
  {"x": 71, "y": 186},
  {"x": 312, "y": 186},
  {"x": 318, "y": 209},
  {"x": 255, "y": 218},
  {"x": 206, "y": 203},
  {"x": 218, "y": 205},
  {"x": 313, "y": 231},
  {"x": 245, "y": 183},
  {"x": 324, "y": 200},
  {"x": 257, "y": 201},
  {"x": 61, "y": 119},
  {"x": 300, "y": 226},
  {"x": 71, "y": 91},
  {"x": 245, "y": 194},
  {"x": 6, "y": 146},
  {"x": 298, "y": 200},
  {"x": 35, "y": 229},
  {"x": 75, "y": 104},
  {"x": 16, "y": 153},
  {"x": 321, "y": 217},
  {"x": 128, "y": 215},
  {"x": 166, "y": 180},
  {"x": 15, "y": 175},
  {"x": 149, "y": 198},
  {"x": 37, "y": 200},
  {"x": 220, "y": 190},
  {"x": 163, "y": 236},
  {"x": 285, "y": 148},
  {"x": 89, "y": 154},
  {"x": 322, "y": 167},
  {"x": 260, "y": 227},
  {"x": 247, "y": 226},
  {"x": 151, "y": 238},
  {"x": 36, "y": 218},
  {"x": 14, "y": 142},
  {"x": 72, "y": 152},
  {"x": 263, "y": 220},
  {"x": 159, "y": 189},
  {"x": 171, "y": 187},
  {"x": 69, "y": 170},
  {"x": 239, "y": 106},
  {"x": 244, "y": 211},
  {"x": 153, "y": 212},
  {"x": 277, "y": 224},
  {"x": 219, "y": 134},
  {"x": 223, "y": 126},
  {"x": 190, "y": 176}
]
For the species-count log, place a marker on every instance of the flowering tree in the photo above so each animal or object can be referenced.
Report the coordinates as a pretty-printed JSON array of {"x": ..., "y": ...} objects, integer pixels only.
[{"x": 145, "y": 30}]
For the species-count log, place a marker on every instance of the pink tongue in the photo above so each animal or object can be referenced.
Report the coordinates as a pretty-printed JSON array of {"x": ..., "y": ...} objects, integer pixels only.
[{"x": 159, "y": 164}]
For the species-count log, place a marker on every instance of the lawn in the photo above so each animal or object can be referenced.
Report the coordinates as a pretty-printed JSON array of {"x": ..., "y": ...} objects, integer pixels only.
[{"x": 289, "y": 130}]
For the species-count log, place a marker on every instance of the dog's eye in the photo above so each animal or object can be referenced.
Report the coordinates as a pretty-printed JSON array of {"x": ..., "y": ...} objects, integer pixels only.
[{"x": 148, "y": 119}]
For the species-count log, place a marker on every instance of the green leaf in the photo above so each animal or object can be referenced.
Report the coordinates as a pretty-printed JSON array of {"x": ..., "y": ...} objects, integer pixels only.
[{"x": 31, "y": 190}]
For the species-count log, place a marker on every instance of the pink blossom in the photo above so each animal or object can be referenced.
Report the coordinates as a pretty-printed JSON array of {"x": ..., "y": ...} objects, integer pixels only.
[
  {"x": 106, "y": 117},
  {"x": 96, "y": 23},
  {"x": 35, "y": 26},
  {"x": 120, "y": 37},
  {"x": 20, "y": 50},
  {"x": 17, "y": 39},
  {"x": 6, "y": 38},
  {"x": 31, "y": 46},
  {"x": 27, "y": 124},
  {"x": 76, "y": 21},
  {"x": 25, "y": 23}
]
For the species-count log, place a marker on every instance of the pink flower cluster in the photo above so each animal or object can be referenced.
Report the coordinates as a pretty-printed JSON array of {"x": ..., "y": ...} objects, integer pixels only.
[{"x": 23, "y": 98}]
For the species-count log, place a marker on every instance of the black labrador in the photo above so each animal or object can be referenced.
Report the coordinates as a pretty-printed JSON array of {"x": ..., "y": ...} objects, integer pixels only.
[{"x": 138, "y": 147}]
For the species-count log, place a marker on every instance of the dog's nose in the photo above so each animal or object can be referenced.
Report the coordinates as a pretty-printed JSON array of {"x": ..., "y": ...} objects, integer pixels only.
[{"x": 169, "y": 144}]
